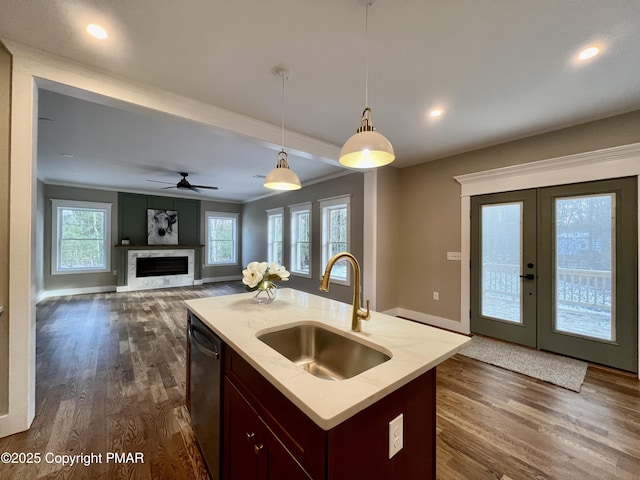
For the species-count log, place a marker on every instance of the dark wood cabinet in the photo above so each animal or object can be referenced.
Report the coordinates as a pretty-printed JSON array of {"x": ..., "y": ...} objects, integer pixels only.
[
  {"x": 252, "y": 449},
  {"x": 265, "y": 436},
  {"x": 294, "y": 446}
]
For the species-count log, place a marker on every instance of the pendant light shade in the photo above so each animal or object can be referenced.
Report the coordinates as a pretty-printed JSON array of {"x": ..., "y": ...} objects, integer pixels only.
[
  {"x": 282, "y": 177},
  {"x": 367, "y": 148}
]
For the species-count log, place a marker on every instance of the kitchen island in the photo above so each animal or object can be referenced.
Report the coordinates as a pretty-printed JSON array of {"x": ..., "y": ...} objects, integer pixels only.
[{"x": 281, "y": 421}]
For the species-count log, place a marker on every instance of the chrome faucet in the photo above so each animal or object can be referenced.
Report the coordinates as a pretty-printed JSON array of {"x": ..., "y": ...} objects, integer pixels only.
[{"x": 358, "y": 313}]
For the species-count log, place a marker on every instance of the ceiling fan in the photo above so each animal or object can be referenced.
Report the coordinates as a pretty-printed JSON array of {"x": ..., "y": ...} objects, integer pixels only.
[{"x": 184, "y": 184}]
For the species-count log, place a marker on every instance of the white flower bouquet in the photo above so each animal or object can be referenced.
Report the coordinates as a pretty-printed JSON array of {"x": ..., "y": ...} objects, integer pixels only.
[{"x": 261, "y": 275}]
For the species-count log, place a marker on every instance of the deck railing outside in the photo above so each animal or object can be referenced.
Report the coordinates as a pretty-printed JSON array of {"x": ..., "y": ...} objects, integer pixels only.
[{"x": 574, "y": 287}]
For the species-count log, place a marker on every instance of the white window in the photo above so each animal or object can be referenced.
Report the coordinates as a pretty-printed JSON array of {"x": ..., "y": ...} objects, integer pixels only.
[
  {"x": 80, "y": 237},
  {"x": 335, "y": 235},
  {"x": 301, "y": 239},
  {"x": 275, "y": 238},
  {"x": 222, "y": 238}
]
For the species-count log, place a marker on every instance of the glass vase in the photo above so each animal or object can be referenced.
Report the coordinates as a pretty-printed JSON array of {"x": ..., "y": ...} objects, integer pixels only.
[{"x": 266, "y": 293}]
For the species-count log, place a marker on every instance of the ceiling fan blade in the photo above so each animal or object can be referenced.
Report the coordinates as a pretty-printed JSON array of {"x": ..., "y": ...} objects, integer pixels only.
[
  {"x": 167, "y": 188},
  {"x": 158, "y": 181},
  {"x": 204, "y": 186}
]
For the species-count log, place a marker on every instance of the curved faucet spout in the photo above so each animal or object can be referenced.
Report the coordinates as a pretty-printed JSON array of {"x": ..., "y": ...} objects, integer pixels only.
[{"x": 358, "y": 313}]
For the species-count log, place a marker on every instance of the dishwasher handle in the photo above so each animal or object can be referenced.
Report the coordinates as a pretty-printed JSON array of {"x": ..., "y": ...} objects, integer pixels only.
[{"x": 199, "y": 340}]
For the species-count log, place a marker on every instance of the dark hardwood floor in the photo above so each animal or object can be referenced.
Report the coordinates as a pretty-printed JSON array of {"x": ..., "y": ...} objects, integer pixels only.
[{"x": 111, "y": 378}]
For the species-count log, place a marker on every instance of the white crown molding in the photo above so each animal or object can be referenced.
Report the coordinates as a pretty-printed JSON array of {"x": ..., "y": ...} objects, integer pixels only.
[
  {"x": 67, "y": 77},
  {"x": 617, "y": 161}
]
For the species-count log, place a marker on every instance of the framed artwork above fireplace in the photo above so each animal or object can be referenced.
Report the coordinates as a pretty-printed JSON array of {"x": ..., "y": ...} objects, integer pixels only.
[{"x": 162, "y": 227}]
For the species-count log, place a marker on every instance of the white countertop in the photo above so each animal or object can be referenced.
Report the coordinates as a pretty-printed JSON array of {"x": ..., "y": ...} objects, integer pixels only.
[{"x": 415, "y": 349}]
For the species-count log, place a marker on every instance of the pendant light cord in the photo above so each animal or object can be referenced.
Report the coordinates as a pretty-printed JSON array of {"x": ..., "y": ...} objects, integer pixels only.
[
  {"x": 282, "y": 137},
  {"x": 366, "y": 55}
]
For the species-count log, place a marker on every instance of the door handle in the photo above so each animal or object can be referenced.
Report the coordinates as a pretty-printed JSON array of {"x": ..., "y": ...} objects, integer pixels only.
[{"x": 528, "y": 276}]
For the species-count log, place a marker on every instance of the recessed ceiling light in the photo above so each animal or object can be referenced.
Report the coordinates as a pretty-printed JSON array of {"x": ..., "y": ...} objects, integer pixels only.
[
  {"x": 67, "y": 155},
  {"x": 436, "y": 112},
  {"x": 588, "y": 53},
  {"x": 97, "y": 31}
]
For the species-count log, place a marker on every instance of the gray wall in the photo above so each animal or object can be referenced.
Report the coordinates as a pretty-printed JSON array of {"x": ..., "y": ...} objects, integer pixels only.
[
  {"x": 77, "y": 280},
  {"x": 226, "y": 271},
  {"x": 5, "y": 115},
  {"x": 389, "y": 216},
  {"x": 39, "y": 253},
  {"x": 429, "y": 206},
  {"x": 254, "y": 229}
]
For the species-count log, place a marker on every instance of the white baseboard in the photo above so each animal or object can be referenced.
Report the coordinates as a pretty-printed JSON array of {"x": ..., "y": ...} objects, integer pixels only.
[
  {"x": 74, "y": 291},
  {"x": 12, "y": 424},
  {"x": 427, "y": 319},
  {"x": 228, "y": 278},
  {"x": 123, "y": 288}
]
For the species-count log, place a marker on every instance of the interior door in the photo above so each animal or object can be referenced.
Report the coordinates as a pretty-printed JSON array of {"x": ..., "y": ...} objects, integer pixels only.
[
  {"x": 503, "y": 268},
  {"x": 556, "y": 268},
  {"x": 587, "y": 305}
]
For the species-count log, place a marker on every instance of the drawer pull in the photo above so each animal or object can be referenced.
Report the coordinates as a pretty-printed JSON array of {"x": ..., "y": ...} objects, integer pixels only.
[
  {"x": 250, "y": 435},
  {"x": 258, "y": 448}
]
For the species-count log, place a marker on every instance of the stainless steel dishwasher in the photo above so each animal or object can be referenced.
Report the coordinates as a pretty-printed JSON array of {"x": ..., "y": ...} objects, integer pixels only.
[{"x": 205, "y": 389}]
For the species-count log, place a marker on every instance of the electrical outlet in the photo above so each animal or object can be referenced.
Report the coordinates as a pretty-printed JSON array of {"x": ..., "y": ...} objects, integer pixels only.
[
  {"x": 115, "y": 272},
  {"x": 454, "y": 256},
  {"x": 436, "y": 295},
  {"x": 396, "y": 435}
]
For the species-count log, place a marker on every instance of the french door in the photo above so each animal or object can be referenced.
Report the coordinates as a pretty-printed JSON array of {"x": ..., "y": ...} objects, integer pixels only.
[{"x": 556, "y": 269}]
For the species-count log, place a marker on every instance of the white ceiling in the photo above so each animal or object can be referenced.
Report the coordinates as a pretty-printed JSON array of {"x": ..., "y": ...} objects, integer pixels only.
[{"x": 501, "y": 69}]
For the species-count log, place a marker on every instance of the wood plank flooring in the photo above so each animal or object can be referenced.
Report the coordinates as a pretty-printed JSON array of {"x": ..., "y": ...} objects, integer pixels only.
[{"x": 111, "y": 377}]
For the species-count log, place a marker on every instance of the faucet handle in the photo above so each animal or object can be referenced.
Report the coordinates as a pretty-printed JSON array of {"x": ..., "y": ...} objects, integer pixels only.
[{"x": 368, "y": 313}]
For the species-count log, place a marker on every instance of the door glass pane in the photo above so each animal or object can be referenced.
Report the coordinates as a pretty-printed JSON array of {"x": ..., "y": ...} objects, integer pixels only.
[
  {"x": 584, "y": 256},
  {"x": 501, "y": 261}
]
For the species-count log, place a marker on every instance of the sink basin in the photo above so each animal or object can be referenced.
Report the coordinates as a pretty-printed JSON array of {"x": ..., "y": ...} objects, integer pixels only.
[{"x": 323, "y": 352}]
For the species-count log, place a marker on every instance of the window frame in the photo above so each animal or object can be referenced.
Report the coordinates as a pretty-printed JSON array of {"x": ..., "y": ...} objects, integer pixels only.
[
  {"x": 294, "y": 213},
  {"x": 326, "y": 206},
  {"x": 209, "y": 214},
  {"x": 272, "y": 214},
  {"x": 57, "y": 205}
]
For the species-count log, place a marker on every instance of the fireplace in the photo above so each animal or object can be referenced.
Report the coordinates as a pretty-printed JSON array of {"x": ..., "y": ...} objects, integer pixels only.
[{"x": 160, "y": 266}]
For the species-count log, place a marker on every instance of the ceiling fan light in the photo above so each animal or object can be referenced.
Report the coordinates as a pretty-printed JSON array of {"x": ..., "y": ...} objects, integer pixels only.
[{"x": 367, "y": 149}]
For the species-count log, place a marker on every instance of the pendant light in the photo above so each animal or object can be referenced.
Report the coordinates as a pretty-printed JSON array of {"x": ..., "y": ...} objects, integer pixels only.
[
  {"x": 367, "y": 148},
  {"x": 282, "y": 177}
]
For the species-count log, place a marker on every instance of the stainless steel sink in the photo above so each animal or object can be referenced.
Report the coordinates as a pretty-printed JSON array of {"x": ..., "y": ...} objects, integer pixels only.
[{"x": 323, "y": 352}]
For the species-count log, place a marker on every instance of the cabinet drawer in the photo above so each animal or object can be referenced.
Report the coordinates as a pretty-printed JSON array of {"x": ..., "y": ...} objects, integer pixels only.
[{"x": 305, "y": 440}]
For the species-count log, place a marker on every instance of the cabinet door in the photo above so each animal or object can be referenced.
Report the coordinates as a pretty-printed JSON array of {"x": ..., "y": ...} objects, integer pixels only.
[
  {"x": 252, "y": 449},
  {"x": 242, "y": 455},
  {"x": 279, "y": 463}
]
